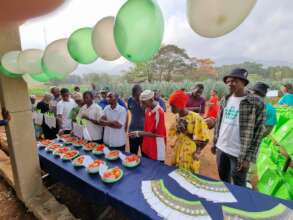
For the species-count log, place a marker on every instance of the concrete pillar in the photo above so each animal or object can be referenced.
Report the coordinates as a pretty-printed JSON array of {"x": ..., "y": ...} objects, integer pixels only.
[{"x": 20, "y": 132}]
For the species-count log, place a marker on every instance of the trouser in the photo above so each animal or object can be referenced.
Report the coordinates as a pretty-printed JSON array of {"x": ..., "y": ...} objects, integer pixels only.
[
  {"x": 121, "y": 148},
  {"x": 98, "y": 141},
  {"x": 134, "y": 144},
  {"x": 227, "y": 168}
]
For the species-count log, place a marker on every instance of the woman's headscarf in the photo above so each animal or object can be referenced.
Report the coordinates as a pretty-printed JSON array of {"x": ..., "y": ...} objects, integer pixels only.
[{"x": 179, "y": 99}]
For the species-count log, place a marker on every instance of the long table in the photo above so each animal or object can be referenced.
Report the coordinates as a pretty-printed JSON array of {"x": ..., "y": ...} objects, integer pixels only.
[{"x": 126, "y": 195}]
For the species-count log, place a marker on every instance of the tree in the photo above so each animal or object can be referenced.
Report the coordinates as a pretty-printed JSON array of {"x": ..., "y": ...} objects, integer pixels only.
[
  {"x": 205, "y": 68},
  {"x": 170, "y": 63}
]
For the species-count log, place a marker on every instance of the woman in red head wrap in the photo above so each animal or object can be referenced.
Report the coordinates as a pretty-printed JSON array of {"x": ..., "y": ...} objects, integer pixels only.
[{"x": 191, "y": 132}]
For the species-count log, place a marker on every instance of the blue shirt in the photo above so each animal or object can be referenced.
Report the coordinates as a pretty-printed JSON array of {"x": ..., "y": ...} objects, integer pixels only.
[
  {"x": 137, "y": 115},
  {"x": 103, "y": 103},
  {"x": 271, "y": 115},
  {"x": 287, "y": 99},
  {"x": 162, "y": 104}
]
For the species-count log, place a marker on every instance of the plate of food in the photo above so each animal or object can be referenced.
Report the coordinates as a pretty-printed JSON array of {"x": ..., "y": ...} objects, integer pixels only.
[
  {"x": 70, "y": 141},
  {"x": 70, "y": 155},
  {"x": 112, "y": 155},
  {"x": 99, "y": 150},
  {"x": 89, "y": 146},
  {"x": 58, "y": 152},
  {"x": 50, "y": 148},
  {"x": 112, "y": 175},
  {"x": 79, "y": 143},
  {"x": 131, "y": 161},
  {"x": 82, "y": 161},
  {"x": 93, "y": 168},
  {"x": 64, "y": 137},
  {"x": 46, "y": 142}
]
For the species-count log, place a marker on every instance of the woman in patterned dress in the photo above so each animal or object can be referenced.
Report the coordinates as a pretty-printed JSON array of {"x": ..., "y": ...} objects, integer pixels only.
[{"x": 191, "y": 133}]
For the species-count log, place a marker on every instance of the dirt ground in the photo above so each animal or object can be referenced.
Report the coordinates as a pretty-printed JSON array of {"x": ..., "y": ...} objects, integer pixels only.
[{"x": 12, "y": 209}]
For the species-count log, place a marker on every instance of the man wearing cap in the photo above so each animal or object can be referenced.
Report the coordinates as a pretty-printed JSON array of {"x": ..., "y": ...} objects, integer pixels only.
[
  {"x": 260, "y": 89},
  {"x": 239, "y": 129},
  {"x": 103, "y": 102},
  {"x": 154, "y": 134}
]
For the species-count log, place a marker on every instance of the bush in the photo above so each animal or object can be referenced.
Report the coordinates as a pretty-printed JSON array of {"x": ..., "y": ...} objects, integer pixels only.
[{"x": 123, "y": 88}]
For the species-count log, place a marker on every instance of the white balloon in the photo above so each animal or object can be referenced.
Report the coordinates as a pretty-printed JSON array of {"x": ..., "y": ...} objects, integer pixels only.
[
  {"x": 215, "y": 18},
  {"x": 9, "y": 61},
  {"x": 30, "y": 61},
  {"x": 103, "y": 39},
  {"x": 57, "y": 58}
]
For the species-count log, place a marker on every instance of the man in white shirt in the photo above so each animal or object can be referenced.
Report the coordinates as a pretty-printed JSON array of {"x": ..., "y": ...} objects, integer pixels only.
[
  {"x": 239, "y": 129},
  {"x": 114, "y": 120},
  {"x": 92, "y": 113},
  {"x": 64, "y": 108}
]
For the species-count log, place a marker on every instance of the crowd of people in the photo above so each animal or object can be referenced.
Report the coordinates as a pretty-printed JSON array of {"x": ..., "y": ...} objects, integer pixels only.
[{"x": 240, "y": 121}]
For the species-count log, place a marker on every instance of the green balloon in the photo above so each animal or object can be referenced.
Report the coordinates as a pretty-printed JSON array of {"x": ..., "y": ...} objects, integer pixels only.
[
  {"x": 50, "y": 74},
  {"x": 80, "y": 46},
  {"x": 139, "y": 30},
  {"x": 8, "y": 73},
  {"x": 43, "y": 77}
]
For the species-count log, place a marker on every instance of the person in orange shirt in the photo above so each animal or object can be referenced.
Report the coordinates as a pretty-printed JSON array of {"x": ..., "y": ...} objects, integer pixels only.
[{"x": 213, "y": 105}]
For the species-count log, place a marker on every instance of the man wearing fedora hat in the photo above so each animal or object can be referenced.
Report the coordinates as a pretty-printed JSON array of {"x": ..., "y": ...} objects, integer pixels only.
[
  {"x": 260, "y": 89},
  {"x": 238, "y": 130}
]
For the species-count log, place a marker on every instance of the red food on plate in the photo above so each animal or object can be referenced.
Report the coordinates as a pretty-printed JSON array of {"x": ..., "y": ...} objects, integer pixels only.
[
  {"x": 80, "y": 159},
  {"x": 46, "y": 142},
  {"x": 113, "y": 154},
  {"x": 65, "y": 136},
  {"x": 53, "y": 146},
  {"x": 70, "y": 154},
  {"x": 89, "y": 146},
  {"x": 132, "y": 158},
  {"x": 80, "y": 142},
  {"x": 71, "y": 139},
  {"x": 113, "y": 173},
  {"x": 100, "y": 148},
  {"x": 62, "y": 150},
  {"x": 96, "y": 164}
]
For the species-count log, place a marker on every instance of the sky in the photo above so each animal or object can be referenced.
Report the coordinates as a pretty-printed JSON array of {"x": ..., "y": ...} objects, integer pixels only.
[{"x": 266, "y": 34}]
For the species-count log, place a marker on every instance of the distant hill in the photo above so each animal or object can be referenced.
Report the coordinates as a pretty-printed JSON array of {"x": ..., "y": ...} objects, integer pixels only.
[{"x": 236, "y": 60}]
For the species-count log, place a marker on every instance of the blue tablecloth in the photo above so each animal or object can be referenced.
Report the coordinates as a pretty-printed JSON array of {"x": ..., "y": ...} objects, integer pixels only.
[{"x": 126, "y": 194}]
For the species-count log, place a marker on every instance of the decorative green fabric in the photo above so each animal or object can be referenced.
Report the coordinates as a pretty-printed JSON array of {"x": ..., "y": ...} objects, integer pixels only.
[
  {"x": 215, "y": 186},
  {"x": 192, "y": 208},
  {"x": 278, "y": 212}
]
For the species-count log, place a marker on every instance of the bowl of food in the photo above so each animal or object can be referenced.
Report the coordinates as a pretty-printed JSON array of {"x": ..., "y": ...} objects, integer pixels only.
[
  {"x": 89, "y": 146},
  {"x": 112, "y": 175},
  {"x": 99, "y": 150},
  {"x": 58, "y": 152},
  {"x": 46, "y": 142},
  {"x": 70, "y": 141},
  {"x": 64, "y": 137},
  {"x": 93, "y": 168},
  {"x": 112, "y": 155},
  {"x": 70, "y": 155},
  {"x": 131, "y": 161},
  {"x": 50, "y": 148},
  {"x": 79, "y": 143},
  {"x": 79, "y": 161}
]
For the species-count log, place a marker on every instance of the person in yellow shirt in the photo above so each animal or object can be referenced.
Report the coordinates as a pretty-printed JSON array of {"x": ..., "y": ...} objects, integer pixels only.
[{"x": 191, "y": 133}]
